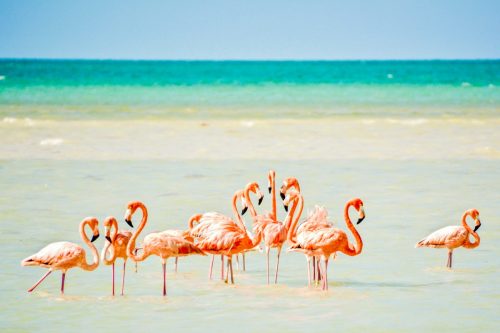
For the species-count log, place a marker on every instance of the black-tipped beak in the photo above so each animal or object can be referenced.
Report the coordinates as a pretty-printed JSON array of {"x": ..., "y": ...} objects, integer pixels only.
[
  {"x": 286, "y": 208},
  {"x": 260, "y": 199},
  {"x": 94, "y": 237},
  {"x": 129, "y": 222},
  {"x": 477, "y": 227},
  {"x": 244, "y": 210},
  {"x": 360, "y": 220},
  {"x": 269, "y": 188},
  {"x": 108, "y": 239},
  {"x": 282, "y": 195}
]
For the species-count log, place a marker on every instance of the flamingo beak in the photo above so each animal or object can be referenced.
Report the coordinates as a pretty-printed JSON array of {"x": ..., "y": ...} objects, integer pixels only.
[
  {"x": 478, "y": 224},
  {"x": 94, "y": 237},
  {"x": 128, "y": 217},
  {"x": 244, "y": 210},
  {"x": 282, "y": 195},
  {"x": 108, "y": 239},
  {"x": 269, "y": 188},
  {"x": 260, "y": 199},
  {"x": 286, "y": 208},
  {"x": 361, "y": 215}
]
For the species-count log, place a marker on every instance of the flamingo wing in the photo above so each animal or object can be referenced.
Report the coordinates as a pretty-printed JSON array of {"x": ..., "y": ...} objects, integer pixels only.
[
  {"x": 55, "y": 255},
  {"x": 451, "y": 236}
]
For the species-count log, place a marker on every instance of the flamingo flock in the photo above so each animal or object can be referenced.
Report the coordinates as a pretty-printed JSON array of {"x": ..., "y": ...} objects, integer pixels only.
[{"x": 216, "y": 234}]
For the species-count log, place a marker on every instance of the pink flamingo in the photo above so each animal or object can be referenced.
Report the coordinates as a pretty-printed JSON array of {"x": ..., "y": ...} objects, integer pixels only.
[
  {"x": 273, "y": 231},
  {"x": 206, "y": 223},
  {"x": 156, "y": 243},
  {"x": 228, "y": 238},
  {"x": 315, "y": 220},
  {"x": 116, "y": 245},
  {"x": 454, "y": 236},
  {"x": 65, "y": 255},
  {"x": 326, "y": 241}
]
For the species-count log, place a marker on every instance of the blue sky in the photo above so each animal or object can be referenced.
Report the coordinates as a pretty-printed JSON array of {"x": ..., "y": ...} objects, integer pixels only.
[{"x": 253, "y": 29}]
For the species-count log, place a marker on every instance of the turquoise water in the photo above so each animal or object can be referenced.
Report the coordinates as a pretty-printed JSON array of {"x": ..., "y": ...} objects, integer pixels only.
[
  {"x": 180, "y": 89},
  {"x": 419, "y": 142}
]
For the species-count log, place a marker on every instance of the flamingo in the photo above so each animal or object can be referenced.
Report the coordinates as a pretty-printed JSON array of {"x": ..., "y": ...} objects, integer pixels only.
[
  {"x": 156, "y": 243},
  {"x": 206, "y": 222},
  {"x": 454, "y": 236},
  {"x": 117, "y": 245},
  {"x": 273, "y": 231},
  {"x": 326, "y": 241},
  {"x": 315, "y": 220},
  {"x": 65, "y": 255},
  {"x": 227, "y": 237}
]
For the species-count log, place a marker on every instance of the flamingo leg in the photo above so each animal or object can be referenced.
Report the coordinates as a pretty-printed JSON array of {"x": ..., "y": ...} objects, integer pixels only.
[
  {"x": 63, "y": 277},
  {"x": 227, "y": 271},
  {"x": 308, "y": 271},
  {"x": 451, "y": 258},
  {"x": 222, "y": 268},
  {"x": 244, "y": 265},
  {"x": 449, "y": 262},
  {"x": 325, "y": 276},
  {"x": 176, "y": 260},
  {"x": 231, "y": 267},
  {"x": 164, "y": 264},
  {"x": 123, "y": 276},
  {"x": 211, "y": 267},
  {"x": 39, "y": 281},
  {"x": 267, "y": 261},
  {"x": 113, "y": 279},
  {"x": 277, "y": 266},
  {"x": 314, "y": 269},
  {"x": 319, "y": 275}
]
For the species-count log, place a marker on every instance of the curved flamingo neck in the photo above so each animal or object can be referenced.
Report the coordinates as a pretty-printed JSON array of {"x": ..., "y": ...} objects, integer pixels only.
[
  {"x": 292, "y": 231},
  {"x": 350, "y": 249},
  {"x": 109, "y": 246},
  {"x": 114, "y": 225},
  {"x": 239, "y": 220},
  {"x": 474, "y": 234},
  {"x": 273, "y": 195},
  {"x": 95, "y": 254},
  {"x": 131, "y": 243},
  {"x": 251, "y": 207},
  {"x": 104, "y": 253}
]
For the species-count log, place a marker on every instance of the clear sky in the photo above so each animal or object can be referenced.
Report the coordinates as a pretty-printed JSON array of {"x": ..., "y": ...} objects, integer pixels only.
[{"x": 252, "y": 29}]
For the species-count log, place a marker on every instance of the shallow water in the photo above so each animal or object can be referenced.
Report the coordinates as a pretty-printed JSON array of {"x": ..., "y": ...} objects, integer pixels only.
[
  {"x": 390, "y": 286},
  {"x": 419, "y": 152}
]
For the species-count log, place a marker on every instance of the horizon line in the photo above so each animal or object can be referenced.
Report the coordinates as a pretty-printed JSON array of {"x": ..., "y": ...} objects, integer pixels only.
[{"x": 246, "y": 60}]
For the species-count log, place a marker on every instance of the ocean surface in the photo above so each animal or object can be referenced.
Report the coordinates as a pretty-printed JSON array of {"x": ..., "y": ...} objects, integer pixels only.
[{"x": 418, "y": 141}]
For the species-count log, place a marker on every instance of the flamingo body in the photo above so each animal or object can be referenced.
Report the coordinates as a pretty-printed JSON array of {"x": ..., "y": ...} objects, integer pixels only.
[
  {"x": 450, "y": 237},
  {"x": 58, "y": 256}
]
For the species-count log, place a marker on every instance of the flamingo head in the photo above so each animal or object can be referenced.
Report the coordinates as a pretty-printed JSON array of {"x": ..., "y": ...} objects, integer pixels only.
[
  {"x": 240, "y": 194},
  {"x": 292, "y": 196},
  {"x": 358, "y": 205},
  {"x": 254, "y": 187},
  {"x": 270, "y": 179},
  {"x": 287, "y": 184},
  {"x": 131, "y": 208},
  {"x": 474, "y": 213},
  {"x": 94, "y": 225},
  {"x": 109, "y": 222}
]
